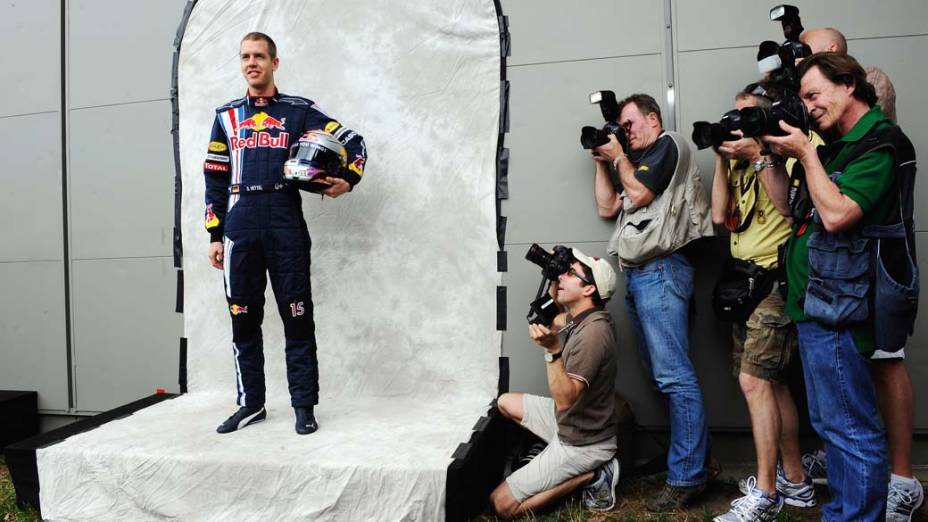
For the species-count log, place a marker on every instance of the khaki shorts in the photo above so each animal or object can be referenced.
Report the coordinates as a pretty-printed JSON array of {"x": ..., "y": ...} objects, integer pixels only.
[
  {"x": 765, "y": 344},
  {"x": 559, "y": 462}
]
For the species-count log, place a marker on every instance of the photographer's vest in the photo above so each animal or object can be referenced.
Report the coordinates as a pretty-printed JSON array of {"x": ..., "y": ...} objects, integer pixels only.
[{"x": 674, "y": 217}]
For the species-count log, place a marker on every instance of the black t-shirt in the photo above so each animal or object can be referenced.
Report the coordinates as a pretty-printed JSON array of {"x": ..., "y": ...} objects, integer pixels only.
[{"x": 655, "y": 164}]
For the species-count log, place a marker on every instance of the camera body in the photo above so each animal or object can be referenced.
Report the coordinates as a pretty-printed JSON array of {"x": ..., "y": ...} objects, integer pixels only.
[
  {"x": 592, "y": 137},
  {"x": 778, "y": 61},
  {"x": 543, "y": 309}
]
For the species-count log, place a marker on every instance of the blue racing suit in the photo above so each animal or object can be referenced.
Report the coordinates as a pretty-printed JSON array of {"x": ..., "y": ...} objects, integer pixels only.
[{"x": 258, "y": 216}]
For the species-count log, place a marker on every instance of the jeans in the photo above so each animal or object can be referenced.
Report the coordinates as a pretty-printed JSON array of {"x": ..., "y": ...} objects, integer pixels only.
[
  {"x": 843, "y": 410},
  {"x": 658, "y": 298}
]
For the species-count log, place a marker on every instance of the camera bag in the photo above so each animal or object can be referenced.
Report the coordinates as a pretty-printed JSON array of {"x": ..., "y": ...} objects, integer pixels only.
[{"x": 740, "y": 288}]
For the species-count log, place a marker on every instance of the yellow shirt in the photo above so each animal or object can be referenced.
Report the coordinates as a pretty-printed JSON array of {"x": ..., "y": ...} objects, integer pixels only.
[{"x": 768, "y": 228}]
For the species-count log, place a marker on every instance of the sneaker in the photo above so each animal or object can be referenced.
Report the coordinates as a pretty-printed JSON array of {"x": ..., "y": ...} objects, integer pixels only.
[
  {"x": 243, "y": 417},
  {"x": 305, "y": 421},
  {"x": 674, "y": 497},
  {"x": 816, "y": 467},
  {"x": 599, "y": 494},
  {"x": 903, "y": 500},
  {"x": 533, "y": 451},
  {"x": 799, "y": 494},
  {"x": 755, "y": 506}
]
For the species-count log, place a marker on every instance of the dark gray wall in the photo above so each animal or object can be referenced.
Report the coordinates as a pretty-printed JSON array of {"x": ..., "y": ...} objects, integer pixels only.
[
  {"x": 96, "y": 205},
  {"x": 706, "y": 52}
]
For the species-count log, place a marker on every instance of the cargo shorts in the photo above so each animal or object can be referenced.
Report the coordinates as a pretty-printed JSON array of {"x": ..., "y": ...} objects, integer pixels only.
[{"x": 764, "y": 345}]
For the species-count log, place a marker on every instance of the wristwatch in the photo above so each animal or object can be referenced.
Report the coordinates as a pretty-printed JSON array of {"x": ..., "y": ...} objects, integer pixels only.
[
  {"x": 551, "y": 357},
  {"x": 763, "y": 163}
]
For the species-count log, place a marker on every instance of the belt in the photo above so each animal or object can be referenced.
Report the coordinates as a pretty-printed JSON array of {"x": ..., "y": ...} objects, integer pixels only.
[{"x": 238, "y": 188}]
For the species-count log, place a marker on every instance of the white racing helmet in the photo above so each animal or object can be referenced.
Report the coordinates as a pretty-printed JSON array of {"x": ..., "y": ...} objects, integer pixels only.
[{"x": 314, "y": 157}]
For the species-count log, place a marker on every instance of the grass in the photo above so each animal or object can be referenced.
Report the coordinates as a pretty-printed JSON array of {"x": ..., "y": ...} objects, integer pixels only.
[
  {"x": 633, "y": 494},
  {"x": 9, "y": 511}
]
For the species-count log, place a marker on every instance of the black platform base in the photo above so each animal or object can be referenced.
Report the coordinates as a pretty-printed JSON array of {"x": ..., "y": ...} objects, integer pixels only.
[{"x": 20, "y": 413}]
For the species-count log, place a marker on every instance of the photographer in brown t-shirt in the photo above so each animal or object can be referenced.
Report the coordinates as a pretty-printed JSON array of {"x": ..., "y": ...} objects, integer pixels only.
[{"x": 578, "y": 421}]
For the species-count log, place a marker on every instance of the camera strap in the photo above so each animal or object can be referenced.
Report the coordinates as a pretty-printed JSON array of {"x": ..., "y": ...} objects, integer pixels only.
[{"x": 745, "y": 222}]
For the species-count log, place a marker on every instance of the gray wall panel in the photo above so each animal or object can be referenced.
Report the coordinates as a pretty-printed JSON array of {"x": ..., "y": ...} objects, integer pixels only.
[
  {"x": 30, "y": 197},
  {"x": 32, "y": 322},
  {"x": 707, "y": 83},
  {"x": 125, "y": 330},
  {"x": 730, "y": 23},
  {"x": 546, "y": 30},
  {"x": 30, "y": 34},
  {"x": 550, "y": 173},
  {"x": 120, "y": 51},
  {"x": 122, "y": 185}
]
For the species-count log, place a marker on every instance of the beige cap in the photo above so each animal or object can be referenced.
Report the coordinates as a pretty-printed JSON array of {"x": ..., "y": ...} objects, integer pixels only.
[{"x": 603, "y": 274}]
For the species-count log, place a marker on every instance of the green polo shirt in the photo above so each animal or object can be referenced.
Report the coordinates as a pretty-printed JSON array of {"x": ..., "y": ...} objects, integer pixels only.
[{"x": 867, "y": 181}]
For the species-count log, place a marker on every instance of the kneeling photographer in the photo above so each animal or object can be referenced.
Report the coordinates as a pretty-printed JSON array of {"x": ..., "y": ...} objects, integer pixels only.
[
  {"x": 661, "y": 206},
  {"x": 851, "y": 203},
  {"x": 578, "y": 421}
]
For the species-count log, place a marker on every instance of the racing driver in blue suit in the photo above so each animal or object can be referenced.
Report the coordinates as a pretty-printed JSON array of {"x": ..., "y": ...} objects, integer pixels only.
[{"x": 255, "y": 221}]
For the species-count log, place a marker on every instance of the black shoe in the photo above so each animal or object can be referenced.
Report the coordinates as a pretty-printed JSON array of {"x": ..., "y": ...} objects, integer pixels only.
[
  {"x": 243, "y": 417},
  {"x": 674, "y": 497},
  {"x": 305, "y": 421}
]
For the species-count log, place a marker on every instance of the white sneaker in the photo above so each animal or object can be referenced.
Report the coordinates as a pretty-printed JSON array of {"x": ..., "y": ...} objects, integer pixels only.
[
  {"x": 904, "y": 498},
  {"x": 755, "y": 506}
]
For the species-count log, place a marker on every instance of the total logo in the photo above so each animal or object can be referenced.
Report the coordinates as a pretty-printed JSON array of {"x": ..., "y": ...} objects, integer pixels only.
[{"x": 236, "y": 309}]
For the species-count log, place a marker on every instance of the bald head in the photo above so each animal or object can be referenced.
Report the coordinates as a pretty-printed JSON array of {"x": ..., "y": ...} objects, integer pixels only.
[{"x": 824, "y": 40}]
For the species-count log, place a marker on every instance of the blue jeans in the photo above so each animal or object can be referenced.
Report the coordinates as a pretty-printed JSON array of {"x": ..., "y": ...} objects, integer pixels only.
[
  {"x": 658, "y": 299},
  {"x": 843, "y": 410}
]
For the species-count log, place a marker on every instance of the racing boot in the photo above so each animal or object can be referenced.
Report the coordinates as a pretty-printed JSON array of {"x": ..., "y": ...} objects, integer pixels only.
[
  {"x": 305, "y": 420},
  {"x": 245, "y": 416}
]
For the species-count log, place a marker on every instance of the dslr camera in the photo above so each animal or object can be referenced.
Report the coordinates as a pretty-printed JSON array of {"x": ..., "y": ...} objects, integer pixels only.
[
  {"x": 543, "y": 309},
  {"x": 592, "y": 137},
  {"x": 754, "y": 121},
  {"x": 778, "y": 61}
]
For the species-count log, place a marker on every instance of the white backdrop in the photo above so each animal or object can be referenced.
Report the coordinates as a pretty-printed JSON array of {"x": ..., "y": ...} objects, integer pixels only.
[{"x": 403, "y": 272}]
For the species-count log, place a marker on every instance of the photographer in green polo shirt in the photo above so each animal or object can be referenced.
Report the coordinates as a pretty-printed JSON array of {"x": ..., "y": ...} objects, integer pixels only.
[{"x": 836, "y": 205}]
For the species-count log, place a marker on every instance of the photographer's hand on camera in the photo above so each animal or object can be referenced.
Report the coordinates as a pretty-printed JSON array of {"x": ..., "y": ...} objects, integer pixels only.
[{"x": 837, "y": 211}]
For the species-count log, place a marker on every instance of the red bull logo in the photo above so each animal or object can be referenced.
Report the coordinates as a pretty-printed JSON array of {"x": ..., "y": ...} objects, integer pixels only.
[
  {"x": 261, "y": 139},
  {"x": 211, "y": 219},
  {"x": 261, "y": 121},
  {"x": 236, "y": 309},
  {"x": 357, "y": 166}
]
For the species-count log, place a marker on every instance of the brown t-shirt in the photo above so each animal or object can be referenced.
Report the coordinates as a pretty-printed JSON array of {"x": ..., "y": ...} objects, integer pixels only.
[{"x": 589, "y": 356}]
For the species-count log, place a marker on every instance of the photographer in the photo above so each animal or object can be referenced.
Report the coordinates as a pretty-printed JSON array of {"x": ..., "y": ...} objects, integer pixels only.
[
  {"x": 890, "y": 376},
  {"x": 749, "y": 199},
  {"x": 578, "y": 421},
  {"x": 824, "y": 263},
  {"x": 661, "y": 208}
]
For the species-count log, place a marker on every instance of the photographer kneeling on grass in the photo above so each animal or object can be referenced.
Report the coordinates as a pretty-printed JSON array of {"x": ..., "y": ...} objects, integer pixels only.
[{"x": 578, "y": 421}]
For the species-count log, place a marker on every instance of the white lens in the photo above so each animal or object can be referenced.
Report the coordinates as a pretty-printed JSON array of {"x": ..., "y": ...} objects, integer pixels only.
[
  {"x": 777, "y": 12},
  {"x": 596, "y": 97}
]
